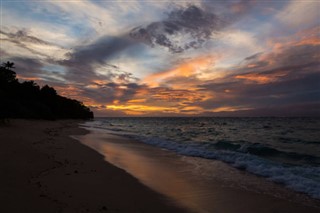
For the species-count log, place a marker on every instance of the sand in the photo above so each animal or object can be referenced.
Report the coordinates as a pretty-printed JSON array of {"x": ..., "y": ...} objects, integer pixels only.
[
  {"x": 198, "y": 184},
  {"x": 45, "y": 170}
]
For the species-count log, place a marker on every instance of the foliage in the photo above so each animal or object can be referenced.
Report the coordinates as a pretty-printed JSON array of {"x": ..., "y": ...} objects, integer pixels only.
[{"x": 28, "y": 100}]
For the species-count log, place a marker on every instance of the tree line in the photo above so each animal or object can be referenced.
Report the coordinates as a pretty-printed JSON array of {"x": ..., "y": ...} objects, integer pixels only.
[{"x": 29, "y": 100}]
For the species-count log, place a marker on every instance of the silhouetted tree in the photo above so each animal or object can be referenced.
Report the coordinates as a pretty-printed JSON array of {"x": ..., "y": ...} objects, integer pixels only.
[
  {"x": 7, "y": 75},
  {"x": 8, "y": 65},
  {"x": 27, "y": 100},
  {"x": 48, "y": 91}
]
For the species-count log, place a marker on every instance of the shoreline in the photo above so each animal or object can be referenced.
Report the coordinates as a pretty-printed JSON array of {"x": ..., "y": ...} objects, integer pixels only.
[
  {"x": 45, "y": 170},
  {"x": 180, "y": 178}
]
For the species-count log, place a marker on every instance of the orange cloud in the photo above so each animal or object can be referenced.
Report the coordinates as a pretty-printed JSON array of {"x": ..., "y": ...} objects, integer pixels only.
[
  {"x": 95, "y": 84},
  {"x": 92, "y": 86},
  {"x": 75, "y": 93},
  {"x": 261, "y": 78},
  {"x": 229, "y": 109},
  {"x": 252, "y": 65},
  {"x": 137, "y": 109},
  {"x": 185, "y": 70},
  {"x": 168, "y": 96},
  {"x": 137, "y": 101},
  {"x": 162, "y": 100},
  {"x": 314, "y": 41},
  {"x": 100, "y": 82},
  {"x": 20, "y": 77},
  {"x": 178, "y": 95},
  {"x": 305, "y": 37},
  {"x": 143, "y": 109},
  {"x": 116, "y": 102},
  {"x": 69, "y": 91}
]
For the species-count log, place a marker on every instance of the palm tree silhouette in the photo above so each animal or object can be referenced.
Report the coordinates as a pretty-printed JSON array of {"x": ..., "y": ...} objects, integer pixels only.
[
  {"x": 8, "y": 65},
  {"x": 7, "y": 75}
]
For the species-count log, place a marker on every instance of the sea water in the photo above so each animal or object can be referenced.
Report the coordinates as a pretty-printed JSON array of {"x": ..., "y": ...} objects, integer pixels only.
[{"x": 283, "y": 150}]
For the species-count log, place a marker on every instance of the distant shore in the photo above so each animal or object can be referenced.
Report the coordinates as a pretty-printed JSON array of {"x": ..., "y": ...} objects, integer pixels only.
[{"x": 44, "y": 170}]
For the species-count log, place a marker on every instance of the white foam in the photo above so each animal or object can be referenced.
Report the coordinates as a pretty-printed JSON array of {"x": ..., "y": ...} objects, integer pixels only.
[{"x": 300, "y": 179}]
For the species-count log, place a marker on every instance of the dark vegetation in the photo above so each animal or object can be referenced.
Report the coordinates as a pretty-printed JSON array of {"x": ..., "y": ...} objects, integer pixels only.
[{"x": 28, "y": 100}]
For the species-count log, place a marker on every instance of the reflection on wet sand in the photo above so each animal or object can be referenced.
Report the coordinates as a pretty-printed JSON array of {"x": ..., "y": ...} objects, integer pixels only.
[
  {"x": 153, "y": 167},
  {"x": 184, "y": 183}
]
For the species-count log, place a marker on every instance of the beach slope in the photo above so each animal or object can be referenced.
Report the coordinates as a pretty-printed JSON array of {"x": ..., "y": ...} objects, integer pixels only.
[{"x": 45, "y": 170}]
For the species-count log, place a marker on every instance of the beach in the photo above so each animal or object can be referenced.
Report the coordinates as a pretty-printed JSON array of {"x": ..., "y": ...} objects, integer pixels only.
[
  {"x": 44, "y": 170},
  {"x": 197, "y": 184}
]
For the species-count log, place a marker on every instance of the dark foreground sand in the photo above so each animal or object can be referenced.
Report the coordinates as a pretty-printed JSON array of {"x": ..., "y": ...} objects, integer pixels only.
[{"x": 44, "y": 170}]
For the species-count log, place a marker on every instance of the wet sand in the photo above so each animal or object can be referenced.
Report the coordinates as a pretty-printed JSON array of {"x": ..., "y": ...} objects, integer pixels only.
[
  {"x": 45, "y": 170},
  {"x": 199, "y": 185}
]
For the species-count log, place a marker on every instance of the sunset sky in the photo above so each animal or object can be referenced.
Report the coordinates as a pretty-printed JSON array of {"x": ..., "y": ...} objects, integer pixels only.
[{"x": 159, "y": 58}]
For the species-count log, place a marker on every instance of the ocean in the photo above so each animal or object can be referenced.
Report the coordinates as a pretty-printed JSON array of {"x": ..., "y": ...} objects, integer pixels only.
[{"x": 281, "y": 150}]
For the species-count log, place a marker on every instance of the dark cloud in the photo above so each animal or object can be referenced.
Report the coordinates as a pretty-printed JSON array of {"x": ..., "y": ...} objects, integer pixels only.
[
  {"x": 22, "y": 39},
  {"x": 22, "y": 36},
  {"x": 3, "y": 54},
  {"x": 297, "y": 58},
  {"x": 230, "y": 10},
  {"x": 195, "y": 23},
  {"x": 107, "y": 93},
  {"x": 295, "y": 110},
  {"x": 276, "y": 94},
  {"x": 301, "y": 54},
  {"x": 28, "y": 67},
  {"x": 84, "y": 60},
  {"x": 184, "y": 28},
  {"x": 287, "y": 79},
  {"x": 291, "y": 82},
  {"x": 81, "y": 62},
  {"x": 281, "y": 84},
  {"x": 100, "y": 50},
  {"x": 254, "y": 56}
]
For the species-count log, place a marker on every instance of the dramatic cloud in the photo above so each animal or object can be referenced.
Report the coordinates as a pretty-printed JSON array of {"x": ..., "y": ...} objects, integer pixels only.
[
  {"x": 230, "y": 10},
  {"x": 90, "y": 62},
  {"x": 170, "y": 59},
  {"x": 276, "y": 79},
  {"x": 23, "y": 36},
  {"x": 184, "y": 28},
  {"x": 28, "y": 68},
  {"x": 186, "y": 70},
  {"x": 31, "y": 45},
  {"x": 100, "y": 50}
]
